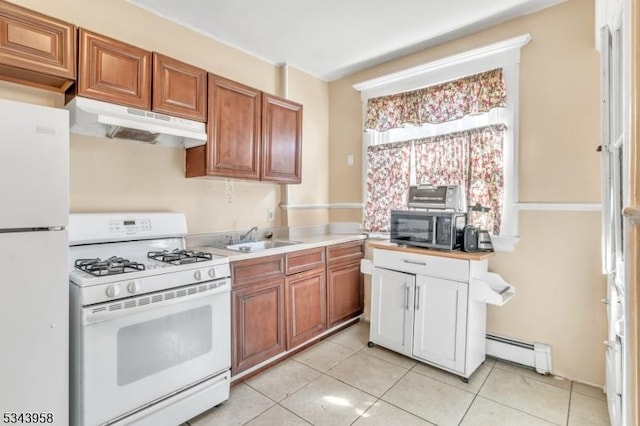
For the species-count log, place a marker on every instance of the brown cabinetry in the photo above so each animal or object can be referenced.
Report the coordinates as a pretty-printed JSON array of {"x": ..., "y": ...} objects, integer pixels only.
[
  {"x": 233, "y": 129},
  {"x": 35, "y": 49},
  {"x": 306, "y": 295},
  {"x": 281, "y": 140},
  {"x": 281, "y": 302},
  {"x": 251, "y": 135},
  {"x": 179, "y": 89},
  {"x": 258, "y": 328},
  {"x": 112, "y": 71},
  {"x": 257, "y": 311},
  {"x": 306, "y": 306},
  {"x": 345, "y": 297}
]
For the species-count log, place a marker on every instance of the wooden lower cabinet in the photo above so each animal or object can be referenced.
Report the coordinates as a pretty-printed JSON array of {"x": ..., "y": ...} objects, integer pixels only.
[
  {"x": 258, "y": 328},
  {"x": 282, "y": 301},
  {"x": 345, "y": 286},
  {"x": 306, "y": 306},
  {"x": 344, "y": 292}
]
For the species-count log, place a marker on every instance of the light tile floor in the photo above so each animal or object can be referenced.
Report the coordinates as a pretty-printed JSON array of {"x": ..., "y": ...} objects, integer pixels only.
[{"x": 340, "y": 381}]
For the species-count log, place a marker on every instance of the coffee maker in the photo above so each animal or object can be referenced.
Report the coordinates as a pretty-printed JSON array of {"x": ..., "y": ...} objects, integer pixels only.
[{"x": 475, "y": 237}]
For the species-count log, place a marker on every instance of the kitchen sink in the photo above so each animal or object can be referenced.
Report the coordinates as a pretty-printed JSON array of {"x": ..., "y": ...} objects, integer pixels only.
[{"x": 255, "y": 246}]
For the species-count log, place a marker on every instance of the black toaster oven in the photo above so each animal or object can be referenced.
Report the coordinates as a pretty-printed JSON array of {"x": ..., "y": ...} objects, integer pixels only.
[{"x": 430, "y": 229}]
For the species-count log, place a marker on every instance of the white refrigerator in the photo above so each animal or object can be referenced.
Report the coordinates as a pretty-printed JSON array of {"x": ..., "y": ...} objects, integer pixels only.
[{"x": 34, "y": 280}]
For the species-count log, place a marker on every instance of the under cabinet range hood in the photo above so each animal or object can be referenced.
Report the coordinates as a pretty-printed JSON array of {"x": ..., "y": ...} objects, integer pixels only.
[{"x": 96, "y": 118}]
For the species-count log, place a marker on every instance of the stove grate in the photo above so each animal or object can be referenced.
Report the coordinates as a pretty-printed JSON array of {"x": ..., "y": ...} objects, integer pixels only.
[{"x": 111, "y": 266}]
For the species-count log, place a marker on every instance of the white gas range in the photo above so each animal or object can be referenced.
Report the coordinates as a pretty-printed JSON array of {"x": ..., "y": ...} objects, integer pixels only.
[{"x": 150, "y": 321}]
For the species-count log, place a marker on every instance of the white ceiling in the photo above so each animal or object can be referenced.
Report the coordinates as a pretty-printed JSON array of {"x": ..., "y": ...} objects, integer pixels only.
[{"x": 331, "y": 39}]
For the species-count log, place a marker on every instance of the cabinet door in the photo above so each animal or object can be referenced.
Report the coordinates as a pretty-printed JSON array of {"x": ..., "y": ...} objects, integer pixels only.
[
  {"x": 440, "y": 322},
  {"x": 344, "y": 292},
  {"x": 36, "y": 49},
  {"x": 258, "y": 323},
  {"x": 281, "y": 140},
  {"x": 392, "y": 310},
  {"x": 306, "y": 306},
  {"x": 233, "y": 148},
  {"x": 112, "y": 71},
  {"x": 179, "y": 89}
]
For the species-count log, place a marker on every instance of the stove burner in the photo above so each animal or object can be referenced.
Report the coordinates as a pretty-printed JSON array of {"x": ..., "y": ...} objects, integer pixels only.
[
  {"x": 112, "y": 266},
  {"x": 179, "y": 257}
]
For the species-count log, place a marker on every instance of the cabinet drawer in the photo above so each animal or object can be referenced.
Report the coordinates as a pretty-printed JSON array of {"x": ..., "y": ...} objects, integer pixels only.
[
  {"x": 433, "y": 266},
  {"x": 304, "y": 260},
  {"x": 247, "y": 271},
  {"x": 345, "y": 252}
]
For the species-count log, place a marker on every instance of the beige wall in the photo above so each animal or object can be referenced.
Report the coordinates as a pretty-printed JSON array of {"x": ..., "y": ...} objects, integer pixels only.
[
  {"x": 555, "y": 268},
  {"x": 128, "y": 172}
]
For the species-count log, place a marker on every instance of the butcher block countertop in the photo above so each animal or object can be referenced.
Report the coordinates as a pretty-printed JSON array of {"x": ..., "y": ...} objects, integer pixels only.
[{"x": 386, "y": 245}]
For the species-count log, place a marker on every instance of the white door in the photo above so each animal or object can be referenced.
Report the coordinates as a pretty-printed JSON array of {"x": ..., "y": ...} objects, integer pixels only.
[
  {"x": 34, "y": 326},
  {"x": 615, "y": 179},
  {"x": 440, "y": 322},
  {"x": 392, "y": 309},
  {"x": 34, "y": 160}
]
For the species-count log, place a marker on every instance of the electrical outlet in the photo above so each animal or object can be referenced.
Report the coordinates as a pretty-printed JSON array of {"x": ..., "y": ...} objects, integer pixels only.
[{"x": 270, "y": 215}]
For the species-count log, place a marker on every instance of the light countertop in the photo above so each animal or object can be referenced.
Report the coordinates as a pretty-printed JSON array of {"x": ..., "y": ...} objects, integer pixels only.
[
  {"x": 306, "y": 242},
  {"x": 386, "y": 245}
]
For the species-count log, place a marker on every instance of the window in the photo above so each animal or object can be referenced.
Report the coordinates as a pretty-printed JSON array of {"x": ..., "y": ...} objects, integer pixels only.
[{"x": 419, "y": 141}]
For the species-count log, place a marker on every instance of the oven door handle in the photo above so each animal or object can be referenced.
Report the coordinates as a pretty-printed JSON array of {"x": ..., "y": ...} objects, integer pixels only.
[{"x": 127, "y": 307}]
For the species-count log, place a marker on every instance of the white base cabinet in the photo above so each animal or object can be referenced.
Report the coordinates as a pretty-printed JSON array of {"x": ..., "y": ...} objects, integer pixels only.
[
  {"x": 440, "y": 322},
  {"x": 391, "y": 312},
  {"x": 427, "y": 307}
]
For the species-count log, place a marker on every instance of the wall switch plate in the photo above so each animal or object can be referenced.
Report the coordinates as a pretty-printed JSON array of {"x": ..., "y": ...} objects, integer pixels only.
[
  {"x": 270, "y": 215},
  {"x": 350, "y": 160}
]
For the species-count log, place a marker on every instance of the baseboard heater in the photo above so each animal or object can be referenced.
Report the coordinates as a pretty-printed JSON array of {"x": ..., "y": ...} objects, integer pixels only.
[{"x": 536, "y": 355}]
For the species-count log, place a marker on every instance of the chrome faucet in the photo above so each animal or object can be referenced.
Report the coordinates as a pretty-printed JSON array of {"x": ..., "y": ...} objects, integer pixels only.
[{"x": 246, "y": 234}]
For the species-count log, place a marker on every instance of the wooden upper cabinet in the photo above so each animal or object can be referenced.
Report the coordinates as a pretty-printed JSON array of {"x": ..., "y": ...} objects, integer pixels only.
[
  {"x": 281, "y": 140},
  {"x": 36, "y": 49},
  {"x": 252, "y": 135},
  {"x": 112, "y": 71},
  {"x": 233, "y": 128},
  {"x": 179, "y": 89}
]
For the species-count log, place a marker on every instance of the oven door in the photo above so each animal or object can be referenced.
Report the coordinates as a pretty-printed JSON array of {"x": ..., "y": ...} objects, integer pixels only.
[{"x": 159, "y": 344}]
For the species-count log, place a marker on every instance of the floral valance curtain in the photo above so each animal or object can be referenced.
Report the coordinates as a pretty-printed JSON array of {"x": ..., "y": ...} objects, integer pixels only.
[
  {"x": 387, "y": 184},
  {"x": 437, "y": 104},
  {"x": 472, "y": 159}
]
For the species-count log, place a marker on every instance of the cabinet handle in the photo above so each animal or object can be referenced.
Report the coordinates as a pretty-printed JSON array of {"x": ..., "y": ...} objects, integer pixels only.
[
  {"x": 406, "y": 297},
  {"x": 413, "y": 262},
  {"x": 417, "y": 298}
]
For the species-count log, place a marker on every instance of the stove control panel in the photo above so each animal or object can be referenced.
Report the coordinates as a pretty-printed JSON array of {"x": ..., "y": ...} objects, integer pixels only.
[{"x": 129, "y": 225}]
